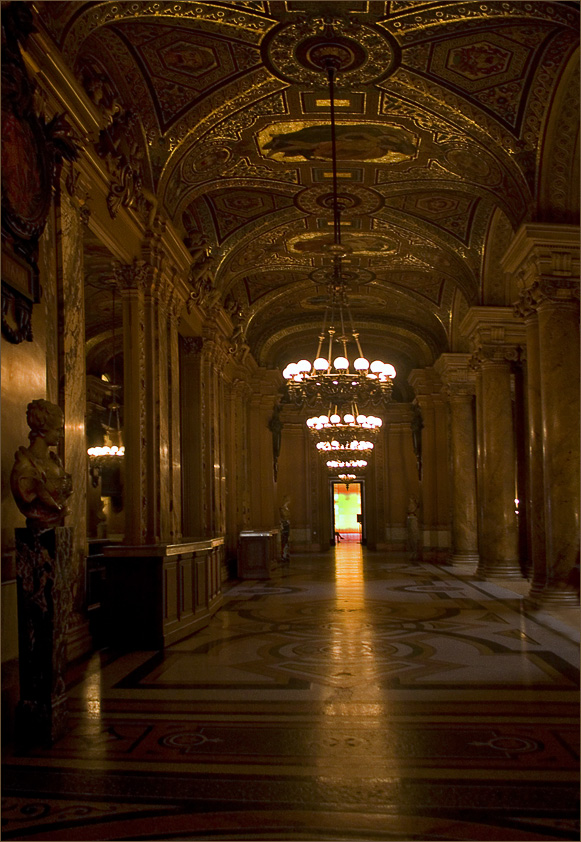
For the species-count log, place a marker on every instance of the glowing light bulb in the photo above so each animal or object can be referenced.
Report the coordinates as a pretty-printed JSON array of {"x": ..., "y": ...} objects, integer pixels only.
[
  {"x": 321, "y": 364},
  {"x": 361, "y": 364},
  {"x": 341, "y": 363}
]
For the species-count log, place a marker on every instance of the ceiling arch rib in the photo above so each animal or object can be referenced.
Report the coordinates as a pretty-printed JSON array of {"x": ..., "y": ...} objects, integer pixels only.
[{"x": 441, "y": 128}]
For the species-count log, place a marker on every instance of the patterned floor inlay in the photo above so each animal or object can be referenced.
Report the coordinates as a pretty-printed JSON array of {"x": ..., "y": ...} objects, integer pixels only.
[{"x": 355, "y": 696}]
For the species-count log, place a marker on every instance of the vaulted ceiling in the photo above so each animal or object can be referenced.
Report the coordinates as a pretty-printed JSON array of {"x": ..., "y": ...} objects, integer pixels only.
[{"x": 442, "y": 118}]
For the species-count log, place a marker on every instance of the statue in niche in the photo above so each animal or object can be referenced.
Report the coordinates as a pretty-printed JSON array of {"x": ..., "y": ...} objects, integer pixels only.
[
  {"x": 417, "y": 424},
  {"x": 285, "y": 530},
  {"x": 275, "y": 426},
  {"x": 38, "y": 480},
  {"x": 412, "y": 528}
]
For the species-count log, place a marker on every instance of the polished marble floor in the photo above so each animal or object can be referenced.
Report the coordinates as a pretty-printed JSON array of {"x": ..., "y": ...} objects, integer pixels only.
[{"x": 353, "y": 696}]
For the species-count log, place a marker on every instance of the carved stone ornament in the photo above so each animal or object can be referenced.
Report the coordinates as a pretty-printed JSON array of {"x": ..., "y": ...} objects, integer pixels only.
[
  {"x": 547, "y": 291},
  {"x": 495, "y": 354},
  {"x": 38, "y": 481},
  {"x": 32, "y": 152},
  {"x": 119, "y": 144}
]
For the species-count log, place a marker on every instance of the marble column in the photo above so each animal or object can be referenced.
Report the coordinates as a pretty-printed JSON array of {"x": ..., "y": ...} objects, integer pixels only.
[
  {"x": 175, "y": 456},
  {"x": 131, "y": 280},
  {"x": 191, "y": 408},
  {"x": 460, "y": 388},
  {"x": 496, "y": 337},
  {"x": 213, "y": 359},
  {"x": 72, "y": 398},
  {"x": 546, "y": 261},
  {"x": 236, "y": 463},
  {"x": 559, "y": 365},
  {"x": 535, "y": 506},
  {"x": 498, "y": 528},
  {"x": 435, "y": 497}
]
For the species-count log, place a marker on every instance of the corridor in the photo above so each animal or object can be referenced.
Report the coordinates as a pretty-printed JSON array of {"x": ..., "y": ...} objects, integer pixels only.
[{"x": 353, "y": 696}]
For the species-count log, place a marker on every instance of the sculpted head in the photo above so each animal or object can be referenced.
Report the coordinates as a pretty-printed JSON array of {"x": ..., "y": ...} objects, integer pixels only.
[{"x": 45, "y": 419}]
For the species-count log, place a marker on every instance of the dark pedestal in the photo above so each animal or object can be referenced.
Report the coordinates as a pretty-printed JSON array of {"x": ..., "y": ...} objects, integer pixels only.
[
  {"x": 258, "y": 553},
  {"x": 43, "y": 567}
]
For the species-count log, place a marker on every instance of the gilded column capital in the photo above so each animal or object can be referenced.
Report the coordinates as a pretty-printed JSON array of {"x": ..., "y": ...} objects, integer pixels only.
[{"x": 131, "y": 276}]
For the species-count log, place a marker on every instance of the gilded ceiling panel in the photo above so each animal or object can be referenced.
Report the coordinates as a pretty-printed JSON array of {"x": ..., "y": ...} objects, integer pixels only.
[
  {"x": 441, "y": 116},
  {"x": 183, "y": 65}
]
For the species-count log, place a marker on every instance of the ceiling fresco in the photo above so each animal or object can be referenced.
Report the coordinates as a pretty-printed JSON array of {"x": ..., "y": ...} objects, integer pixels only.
[{"x": 441, "y": 120}]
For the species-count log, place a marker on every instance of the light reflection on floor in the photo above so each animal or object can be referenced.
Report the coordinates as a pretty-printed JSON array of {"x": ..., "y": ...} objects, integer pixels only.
[{"x": 353, "y": 696}]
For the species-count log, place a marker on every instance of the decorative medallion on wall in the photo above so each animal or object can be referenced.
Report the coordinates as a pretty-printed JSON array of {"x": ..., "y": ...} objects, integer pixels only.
[
  {"x": 295, "y": 52},
  {"x": 31, "y": 151}
]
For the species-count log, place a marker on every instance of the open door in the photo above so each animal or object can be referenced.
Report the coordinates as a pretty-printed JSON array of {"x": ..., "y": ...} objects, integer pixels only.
[{"x": 347, "y": 501}]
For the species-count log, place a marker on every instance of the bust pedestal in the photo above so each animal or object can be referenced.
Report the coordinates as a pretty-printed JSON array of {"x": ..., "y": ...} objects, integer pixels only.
[{"x": 43, "y": 565}]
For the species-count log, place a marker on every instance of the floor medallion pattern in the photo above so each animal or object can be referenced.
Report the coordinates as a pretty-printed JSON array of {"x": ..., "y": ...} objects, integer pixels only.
[{"x": 354, "y": 695}]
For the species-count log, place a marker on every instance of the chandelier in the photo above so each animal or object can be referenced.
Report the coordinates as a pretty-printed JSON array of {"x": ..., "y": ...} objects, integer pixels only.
[
  {"x": 351, "y": 434},
  {"x": 332, "y": 377},
  {"x": 110, "y": 453},
  {"x": 346, "y": 464}
]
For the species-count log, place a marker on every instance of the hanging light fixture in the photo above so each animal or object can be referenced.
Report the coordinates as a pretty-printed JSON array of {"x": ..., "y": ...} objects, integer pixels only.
[
  {"x": 111, "y": 453},
  {"x": 351, "y": 433},
  {"x": 332, "y": 377},
  {"x": 346, "y": 464}
]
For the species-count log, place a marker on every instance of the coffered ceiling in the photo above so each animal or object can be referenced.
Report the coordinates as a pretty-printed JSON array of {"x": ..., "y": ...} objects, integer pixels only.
[{"x": 441, "y": 125}]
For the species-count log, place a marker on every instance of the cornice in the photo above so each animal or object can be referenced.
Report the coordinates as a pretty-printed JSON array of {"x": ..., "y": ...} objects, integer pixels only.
[
  {"x": 492, "y": 325},
  {"x": 543, "y": 249}
]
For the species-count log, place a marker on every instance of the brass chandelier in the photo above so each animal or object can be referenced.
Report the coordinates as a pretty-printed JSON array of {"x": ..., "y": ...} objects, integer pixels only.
[{"x": 333, "y": 379}]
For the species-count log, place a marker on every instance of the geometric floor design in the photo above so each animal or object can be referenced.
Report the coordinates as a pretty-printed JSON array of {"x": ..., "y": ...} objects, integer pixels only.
[{"x": 353, "y": 696}]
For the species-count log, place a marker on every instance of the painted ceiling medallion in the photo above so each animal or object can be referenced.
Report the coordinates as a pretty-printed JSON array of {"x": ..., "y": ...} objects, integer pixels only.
[
  {"x": 352, "y": 200},
  {"x": 298, "y": 52}
]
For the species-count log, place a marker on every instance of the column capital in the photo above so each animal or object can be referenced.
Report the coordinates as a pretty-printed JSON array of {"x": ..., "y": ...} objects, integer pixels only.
[
  {"x": 496, "y": 354},
  {"x": 192, "y": 345},
  {"x": 456, "y": 374},
  {"x": 542, "y": 250},
  {"x": 493, "y": 327},
  {"x": 425, "y": 382},
  {"x": 544, "y": 291},
  {"x": 131, "y": 276}
]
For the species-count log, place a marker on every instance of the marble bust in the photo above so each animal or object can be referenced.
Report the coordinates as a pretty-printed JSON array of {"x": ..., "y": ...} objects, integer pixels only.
[{"x": 38, "y": 480}]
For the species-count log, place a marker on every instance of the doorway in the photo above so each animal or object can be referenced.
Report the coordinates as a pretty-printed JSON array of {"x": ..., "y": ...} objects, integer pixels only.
[{"x": 347, "y": 502}]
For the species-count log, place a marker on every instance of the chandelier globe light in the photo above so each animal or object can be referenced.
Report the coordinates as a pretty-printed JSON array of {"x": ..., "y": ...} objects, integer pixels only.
[
  {"x": 346, "y": 464},
  {"x": 350, "y": 435}
]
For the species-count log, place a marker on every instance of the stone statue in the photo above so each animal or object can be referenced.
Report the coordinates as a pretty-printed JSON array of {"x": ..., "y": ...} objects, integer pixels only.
[
  {"x": 412, "y": 528},
  {"x": 275, "y": 426},
  {"x": 417, "y": 425},
  {"x": 285, "y": 530},
  {"x": 38, "y": 480}
]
